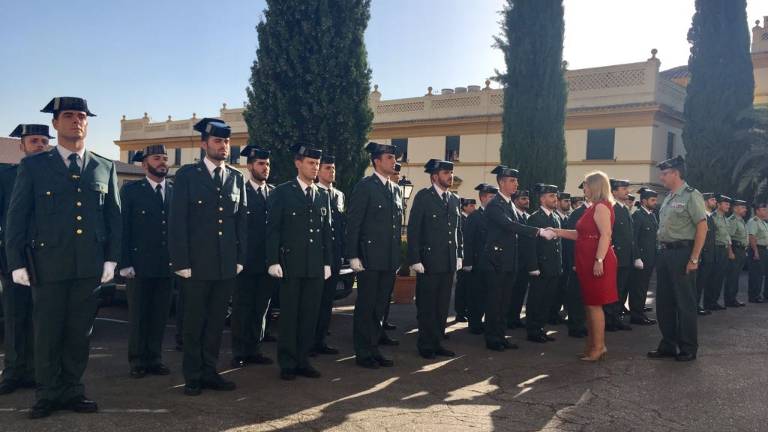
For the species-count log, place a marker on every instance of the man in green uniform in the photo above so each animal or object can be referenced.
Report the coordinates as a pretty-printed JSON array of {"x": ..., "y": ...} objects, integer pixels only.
[
  {"x": 250, "y": 301},
  {"x": 521, "y": 202},
  {"x": 385, "y": 324},
  {"x": 19, "y": 369},
  {"x": 475, "y": 233},
  {"x": 682, "y": 230},
  {"x": 326, "y": 176},
  {"x": 461, "y": 295},
  {"x": 757, "y": 229},
  {"x": 723, "y": 250},
  {"x": 145, "y": 261},
  {"x": 573, "y": 302},
  {"x": 645, "y": 226},
  {"x": 374, "y": 223},
  {"x": 707, "y": 258},
  {"x": 63, "y": 237},
  {"x": 208, "y": 246},
  {"x": 435, "y": 253},
  {"x": 544, "y": 264},
  {"x": 626, "y": 254},
  {"x": 737, "y": 229},
  {"x": 299, "y": 253}
]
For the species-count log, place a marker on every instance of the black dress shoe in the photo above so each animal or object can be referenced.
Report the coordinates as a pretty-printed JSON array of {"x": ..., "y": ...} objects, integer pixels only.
[
  {"x": 308, "y": 372},
  {"x": 388, "y": 326},
  {"x": 9, "y": 386},
  {"x": 442, "y": 352},
  {"x": 259, "y": 360},
  {"x": 647, "y": 309},
  {"x": 387, "y": 341},
  {"x": 658, "y": 354},
  {"x": 383, "y": 361},
  {"x": 735, "y": 304},
  {"x": 685, "y": 357},
  {"x": 158, "y": 369},
  {"x": 367, "y": 363},
  {"x": 269, "y": 338},
  {"x": 756, "y": 300},
  {"x": 461, "y": 318},
  {"x": 287, "y": 375},
  {"x": 138, "y": 372},
  {"x": 193, "y": 388},
  {"x": 509, "y": 345},
  {"x": 429, "y": 355},
  {"x": 238, "y": 362},
  {"x": 327, "y": 350},
  {"x": 577, "y": 333},
  {"x": 81, "y": 404},
  {"x": 495, "y": 346},
  {"x": 703, "y": 312},
  {"x": 218, "y": 383},
  {"x": 645, "y": 321},
  {"x": 43, "y": 408},
  {"x": 538, "y": 338}
]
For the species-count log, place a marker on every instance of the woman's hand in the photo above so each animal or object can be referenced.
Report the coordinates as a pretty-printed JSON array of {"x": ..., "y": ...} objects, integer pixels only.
[{"x": 597, "y": 270}]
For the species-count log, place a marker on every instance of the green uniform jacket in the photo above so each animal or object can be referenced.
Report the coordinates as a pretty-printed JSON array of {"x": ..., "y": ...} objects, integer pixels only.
[
  {"x": 623, "y": 243},
  {"x": 7, "y": 180},
  {"x": 71, "y": 227},
  {"x": 645, "y": 228},
  {"x": 500, "y": 250},
  {"x": 145, "y": 229},
  {"x": 299, "y": 234},
  {"x": 543, "y": 255},
  {"x": 256, "y": 258},
  {"x": 434, "y": 233},
  {"x": 374, "y": 224},
  {"x": 475, "y": 232},
  {"x": 208, "y": 227}
]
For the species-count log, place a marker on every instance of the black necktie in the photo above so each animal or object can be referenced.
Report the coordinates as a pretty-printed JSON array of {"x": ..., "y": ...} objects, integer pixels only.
[
  {"x": 74, "y": 168},
  {"x": 159, "y": 193},
  {"x": 217, "y": 176},
  {"x": 309, "y": 195},
  {"x": 445, "y": 199}
]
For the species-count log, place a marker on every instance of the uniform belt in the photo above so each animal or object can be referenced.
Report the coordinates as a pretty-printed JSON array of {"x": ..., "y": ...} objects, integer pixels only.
[
  {"x": 676, "y": 244},
  {"x": 721, "y": 246},
  {"x": 739, "y": 245}
]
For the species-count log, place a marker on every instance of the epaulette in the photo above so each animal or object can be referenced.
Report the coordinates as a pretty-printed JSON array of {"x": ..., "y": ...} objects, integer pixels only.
[{"x": 690, "y": 189}]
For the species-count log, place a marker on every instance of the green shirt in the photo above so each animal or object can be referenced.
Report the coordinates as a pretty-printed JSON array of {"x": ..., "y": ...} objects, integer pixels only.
[
  {"x": 759, "y": 229},
  {"x": 680, "y": 212},
  {"x": 737, "y": 228},
  {"x": 722, "y": 236}
]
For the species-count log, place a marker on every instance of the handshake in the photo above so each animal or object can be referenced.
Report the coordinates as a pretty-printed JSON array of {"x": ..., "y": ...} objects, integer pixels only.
[{"x": 547, "y": 234}]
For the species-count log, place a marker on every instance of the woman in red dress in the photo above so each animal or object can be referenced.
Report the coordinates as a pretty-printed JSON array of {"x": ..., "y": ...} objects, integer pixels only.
[{"x": 595, "y": 260}]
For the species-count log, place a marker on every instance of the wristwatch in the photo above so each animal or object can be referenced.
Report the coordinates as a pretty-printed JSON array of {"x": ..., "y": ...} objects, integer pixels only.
[
  {"x": 694, "y": 260},
  {"x": 600, "y": 260}
]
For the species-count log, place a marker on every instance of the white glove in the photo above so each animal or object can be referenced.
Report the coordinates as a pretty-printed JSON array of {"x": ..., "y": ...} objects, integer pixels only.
[
  {"x": 326, "y": 272},
  {"x": 639, "y": 264},
  {"x": 239, "y": 268},
  {"x": 459, "y": 263},
  {"x": 547, "y": 234},
  {"x": 128, "y": 273},
  {"x": 535, "y": 273},
  {"x": 109, "y": 271},
  {"x": 185, "y": 273},
  {"x": 356, "y": 265},
  {"x": 418, "y": 268},
  {"x": 467, "y": 268},
  {"x": 275, "y": 271},
  {"x": 20, "y": 276}
]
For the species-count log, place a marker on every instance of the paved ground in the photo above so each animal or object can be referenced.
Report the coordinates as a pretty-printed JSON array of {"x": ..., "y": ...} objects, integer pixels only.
[{"x": 535, "y": 388}]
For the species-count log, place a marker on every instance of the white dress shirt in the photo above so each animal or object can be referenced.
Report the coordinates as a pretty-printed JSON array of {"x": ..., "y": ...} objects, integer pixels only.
[
  {"x": 154, "y": 186},
  {"x": 212, "y": 166}
]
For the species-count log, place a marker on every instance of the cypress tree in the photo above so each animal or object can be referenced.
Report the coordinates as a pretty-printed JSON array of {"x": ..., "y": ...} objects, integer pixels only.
[
  {"x": 310, "y": 83},
  {"x": 721, "y": 87},
  {"x": 535, "y": 93}
]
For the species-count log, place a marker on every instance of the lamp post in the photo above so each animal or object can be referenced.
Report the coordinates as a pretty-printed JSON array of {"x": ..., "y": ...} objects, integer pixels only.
[{"x": 407, "y": 188}]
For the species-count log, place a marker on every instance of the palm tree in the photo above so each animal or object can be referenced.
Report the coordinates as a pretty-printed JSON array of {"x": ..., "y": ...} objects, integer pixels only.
[{"x": 750, "y": 175}]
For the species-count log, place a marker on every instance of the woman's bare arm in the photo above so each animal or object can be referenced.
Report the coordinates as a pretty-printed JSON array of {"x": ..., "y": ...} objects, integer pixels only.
[{"x": 603, "y": 221}]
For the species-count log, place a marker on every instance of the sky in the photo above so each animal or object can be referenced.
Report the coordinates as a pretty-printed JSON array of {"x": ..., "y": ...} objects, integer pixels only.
[{"x": 174, "y": 57}]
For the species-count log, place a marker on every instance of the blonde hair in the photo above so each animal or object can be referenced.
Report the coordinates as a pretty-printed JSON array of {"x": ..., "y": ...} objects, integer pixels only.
[{"x": 600, "y": 186}]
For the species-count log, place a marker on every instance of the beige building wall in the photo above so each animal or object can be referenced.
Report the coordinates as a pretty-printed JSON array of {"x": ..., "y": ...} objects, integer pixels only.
[{"x": 760, "y": 61}]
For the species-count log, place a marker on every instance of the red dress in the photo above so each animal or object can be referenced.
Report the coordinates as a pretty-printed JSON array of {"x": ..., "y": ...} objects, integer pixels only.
[{"x": 595, "y": 291}]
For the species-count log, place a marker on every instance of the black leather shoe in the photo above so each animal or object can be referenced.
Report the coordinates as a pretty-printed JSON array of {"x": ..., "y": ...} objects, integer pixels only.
[
  {"x": 218, "y": 383},
  {"x": 308, "y": 372},
  {"x": 259, "y": 359},
  {"x": 647, "y": 309},
  {"x": 383, "y": 361},
  {"x": 429, "y": 355},
  {"x": 495, "y": 346},
  {"x": 81, "y": 404},
  {"x": 685, "y": 357},
  {"x": 43, "y": 408},
  {"x": 442, "y": 352},
  {"x": 461, "y": 318},
  {"x": 287, "y": 375},
  {"x": 387, "y": 341},
  {"x": 645, "y": 321},
  {"x": 269, "y": 338},
  {"x": 327, "y": 350},
  {"x": 238, "y": 362},
  {"x": 549, "y": 338},
  {"x": 138, "y": 372},
  {"x": 756, "y": 300},
  {"x": 388, "y": 326},
  {"x": 367, "y": 363},
  {"x": 509, "y": 345},
  {"x": 193, "y": 388},
  {"x": 9, "y": 386},
  {"x": 657, "y": 354},
  {"x": 577, "y": 333},
  {"x": 703, "y": 312},
  {"x": 158, "y": 369},
  {"x": 538, "y": 338}
]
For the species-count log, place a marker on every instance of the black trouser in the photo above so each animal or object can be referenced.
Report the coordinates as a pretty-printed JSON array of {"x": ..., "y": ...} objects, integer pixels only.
[
  {"x": 205, "y": 310},
  {"x": 178, "y": 287},
  {"x": 758, "y": 273},
  {"x": 373, "y": 291},
  {"x": 461, "y": 296},
  {"x": 299, "y": 306},
  {"x": 703, "y": 275},
  {"x": 433, "y": 299},
  {"x": 558, "y": 298},
  {"x": 639, "y": 282},
  {"x": 64, "y": 312},
  {"x": 497, "y": 303},
  {"x": 613, "y": 310},
  {"x": 385, "y": 317},
  {"x": 250, "y": 303},
  {"x": 714, "y": 287},
  {"x": 541, "y": 294},
  {"x": 575, "y": 305},
  {"x": 19, "y": 340},
  {"x": 735, "y": 266},
  {"x": 676, "y": 302},
  {"x": 477, "y": 295},
  {"x": 149, "y": 302},
  {"x": 518, "y": 288},
  {"x": 326, "y": 309}
]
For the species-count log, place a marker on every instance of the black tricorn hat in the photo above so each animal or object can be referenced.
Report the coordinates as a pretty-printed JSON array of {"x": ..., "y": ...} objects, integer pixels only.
[
  {"x": 707, "y": 195},
  {"x": 617, "y": 183},
  {"x": 255, "y": 152},
  {"x": 646, "y": 193},
  {"x": 305, "y": 150},
  {"x": 631, "y": 197},
  {"x": 740, "y": 203},
  {"x": 327, "y": 159},
  {"x": 23, "y": 130},
  {"x": 542, "y": 188},
  {"x": 467, "y": 201},
  {"x": 675, "y": 162},
  {"x": 149, "y": 151},
  {"x": 67, "y": 103},
  {"x": 563, "y": 196},
  {"x": 376, "y": 149},
  {"x": 486, "y": 188},
  {"x": 505, "y": 171},
  {"x": 434, "y": 165},
  {"x": 521, "y": 193},
  {"x": 724, "y": 198},
  {"x": 213, "y": 127}
]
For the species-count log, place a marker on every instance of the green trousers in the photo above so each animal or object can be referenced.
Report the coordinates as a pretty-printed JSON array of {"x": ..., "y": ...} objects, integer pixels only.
[
  {"x": 676, "y": 302},
  {"x": 19, "y": 340},
  {"x": 250, "y": 303},
  {"x": 149, "y": 303},
  {"x": 299, "y": 308}
]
